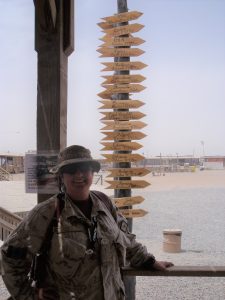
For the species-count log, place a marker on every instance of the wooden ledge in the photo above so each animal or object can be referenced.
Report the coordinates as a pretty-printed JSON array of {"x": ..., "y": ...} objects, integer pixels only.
[{"x": 182, "y": 271}]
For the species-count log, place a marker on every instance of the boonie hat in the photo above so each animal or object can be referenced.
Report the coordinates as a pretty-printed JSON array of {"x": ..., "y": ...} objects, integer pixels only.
[{"x": 75, "y": 155}]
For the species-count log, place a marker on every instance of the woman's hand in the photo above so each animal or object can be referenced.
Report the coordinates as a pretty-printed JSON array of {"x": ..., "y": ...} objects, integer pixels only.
[{"x": 162, "y": 265}]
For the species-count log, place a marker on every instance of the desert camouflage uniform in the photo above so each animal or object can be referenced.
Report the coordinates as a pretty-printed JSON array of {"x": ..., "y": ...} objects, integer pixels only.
[{"x": 74, "y": 270}]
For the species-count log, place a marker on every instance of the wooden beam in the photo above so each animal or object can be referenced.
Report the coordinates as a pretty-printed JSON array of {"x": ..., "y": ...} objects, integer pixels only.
[
  {"x": 178, "y": 271},
  {"x": 53, "y": 39}
]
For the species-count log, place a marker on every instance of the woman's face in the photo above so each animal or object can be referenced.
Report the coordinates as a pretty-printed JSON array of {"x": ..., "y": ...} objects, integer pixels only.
[{"x": 77, "y": 180}]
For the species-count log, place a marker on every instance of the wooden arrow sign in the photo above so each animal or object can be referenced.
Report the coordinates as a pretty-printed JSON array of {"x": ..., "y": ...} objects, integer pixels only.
[
  {"x": 122, "y": 30},
  {"x": 121, "y": 104},
  {"x": 123, "y": 17},
  {"x": 123, "y": 125},
  {"x": 121, "y": 41},
  {"x": 120, "y": 52},
  {"x": 127, "y": 201},
  {"x": 123, "y": 88},
  {"x": 127, "y": 184},
  {"x": 123, "y": 146},
  {"x": 105, "y": 25},
  {"x": 123, "y": 79},
  {"x": 123, "y": 157},
  {"x": 123, "y": 135},
  {"x": 122, "y": 115},
  {"x": 127, "y": 172},
  {"x": 133, "y": 213},
  {"x": 123, "y": 66}
]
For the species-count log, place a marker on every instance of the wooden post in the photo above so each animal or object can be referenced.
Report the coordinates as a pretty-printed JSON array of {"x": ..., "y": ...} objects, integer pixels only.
[
  {"x": 54, "y": 40},
  {"x": 129, "y": 282}
]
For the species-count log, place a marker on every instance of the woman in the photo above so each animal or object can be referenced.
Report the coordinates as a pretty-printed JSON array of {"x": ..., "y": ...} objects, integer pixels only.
[{"x": 83, "y": 239}]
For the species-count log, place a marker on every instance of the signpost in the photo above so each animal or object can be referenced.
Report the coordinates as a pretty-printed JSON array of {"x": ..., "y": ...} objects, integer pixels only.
[
  {"x": 126, "y": 201},
  {"x": 123, "y": 115},
  {"x": 123, "y": 146},
  {"x": 132, "y": 213},
  {"x": 124, "y": 29},
  {"x": 121, "y": 41},
  {"x": 127, "y": 172},
  {"x": 123, "y": 125},
  {"x": 124, "y": 66},
  {"x": 123, "y": 79},
  {"x": 120, "y": 157},
  {"x": 118, "y": 43},
  {"x": 123, "y": 135},
  {"x": 119, "y": 52},
  {"x": 127, "y": 184}
]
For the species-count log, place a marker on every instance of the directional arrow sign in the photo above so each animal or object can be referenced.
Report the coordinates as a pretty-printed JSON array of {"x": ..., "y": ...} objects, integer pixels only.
[
  {"x": 123, "y": 88},
  {"x": 121, "y": 41},
  {"x": 122, "y": 30},
  {"x": 105, "y": 25},
  {"x": 123, "y": 135},
  {"x": 122, "y": 115},
  {"x": 123, "y": 146},
  {"x": 120, "y": 52},
  {"x": 127, "y": 172},
  {"x": 127, "y": 184},
  {"x": 123, "y": 17},
  {"x": 123, "y": 157},
  {"x": 123, "y": 125},
  {"x": 133, "y": 213},
  {"x": 123, "y": 66},
  {"x": 123, "y": 79},
  {"x": 121, "y": 104},
  {"x": 126, "y": 201}
]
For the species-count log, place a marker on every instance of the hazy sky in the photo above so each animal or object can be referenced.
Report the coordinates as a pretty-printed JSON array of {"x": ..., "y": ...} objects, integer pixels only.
[{"x": 185, "y": 89}]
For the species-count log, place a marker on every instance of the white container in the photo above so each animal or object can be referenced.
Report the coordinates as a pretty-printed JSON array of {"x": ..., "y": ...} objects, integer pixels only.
[{"x": 172, "y": 240}]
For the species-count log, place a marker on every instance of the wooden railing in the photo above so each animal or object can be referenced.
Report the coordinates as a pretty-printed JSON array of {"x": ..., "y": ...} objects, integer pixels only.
[
  {"x": 4, "y": 175},
  {"x": 179, "y": 271}
]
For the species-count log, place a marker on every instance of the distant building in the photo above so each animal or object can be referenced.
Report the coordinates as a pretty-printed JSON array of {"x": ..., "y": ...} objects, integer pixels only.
[
  {"x": 12, "y": 163},
  {"x": 214, "y": 162}
]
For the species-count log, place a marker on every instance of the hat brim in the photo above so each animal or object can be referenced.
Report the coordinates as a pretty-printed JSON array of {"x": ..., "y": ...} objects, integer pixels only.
[{"x": 94, "y": 163}]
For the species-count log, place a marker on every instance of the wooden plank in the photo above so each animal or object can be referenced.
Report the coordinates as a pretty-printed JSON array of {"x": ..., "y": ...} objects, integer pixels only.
[
  {"x": 127, "y": 201},
  {"x": 123, "y": 125},
  {"x": 123, "y": 157},
  {"x": 133, "y": 213},
  {"x": 122, "y": 146},
  {"x": 120, "y": 52},
  {"x": 123, "y": 17},
  {"x": 178, "y": 271},
  {"x": 116, "y": 41},
  {"x": 125, "y": 29},
  {"x": 121, "y": 104},
  {"x": 123, "y": 135},
  {"x": 122, "y": 115},
  {"x": 127, "y": 184},
  {"x": 123, "y": 66},
  {"x": 127, "y": 172},
  {"x": 123, "y": 88},
  {"x": 123, "y": 79}
]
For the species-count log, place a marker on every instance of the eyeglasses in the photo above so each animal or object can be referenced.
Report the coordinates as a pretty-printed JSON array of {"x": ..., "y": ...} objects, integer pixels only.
[{"x": 71, "y": 169}]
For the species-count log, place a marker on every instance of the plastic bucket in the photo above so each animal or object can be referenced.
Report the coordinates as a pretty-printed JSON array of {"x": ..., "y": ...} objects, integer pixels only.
[{"x": 172, "y": 240}]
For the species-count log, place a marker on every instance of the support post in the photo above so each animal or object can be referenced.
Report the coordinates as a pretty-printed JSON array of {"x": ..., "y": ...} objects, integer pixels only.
[{"x": 54, "y": 40}]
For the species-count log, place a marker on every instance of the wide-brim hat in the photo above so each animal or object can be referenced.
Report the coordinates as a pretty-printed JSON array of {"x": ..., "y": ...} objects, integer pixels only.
[{"x": 73, "y": 155}]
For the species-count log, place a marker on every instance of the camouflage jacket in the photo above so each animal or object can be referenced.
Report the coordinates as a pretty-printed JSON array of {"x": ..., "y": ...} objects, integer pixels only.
[{"x": 74, "y": 270}]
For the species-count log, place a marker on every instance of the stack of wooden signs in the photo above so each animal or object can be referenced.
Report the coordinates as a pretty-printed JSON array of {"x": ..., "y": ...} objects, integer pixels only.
[{"x": 121, "y": 119}]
